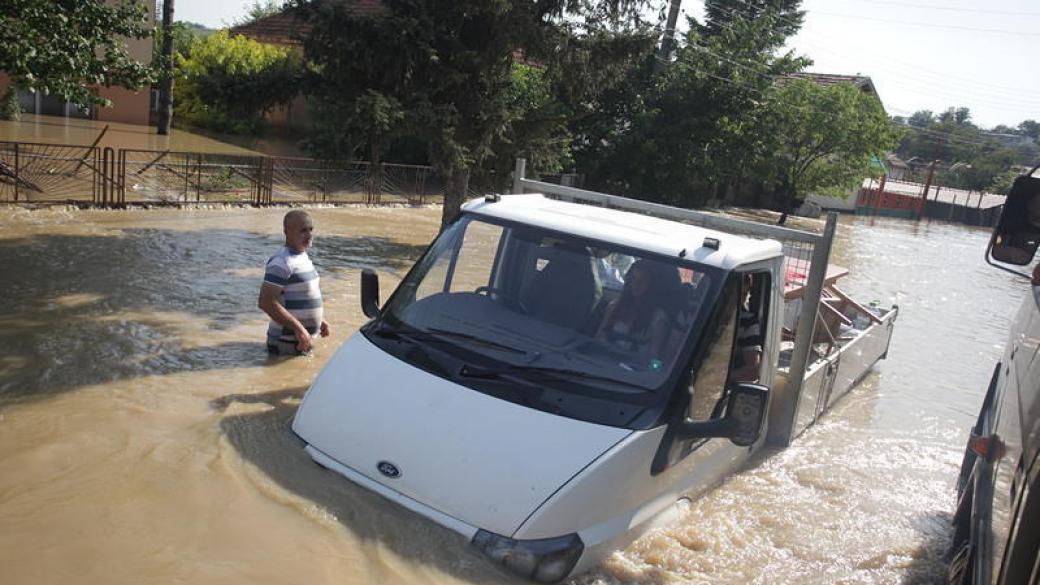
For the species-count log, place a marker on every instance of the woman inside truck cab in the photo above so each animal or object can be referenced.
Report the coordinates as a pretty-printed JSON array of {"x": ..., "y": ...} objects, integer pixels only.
[{"x": 639, "y": 320}]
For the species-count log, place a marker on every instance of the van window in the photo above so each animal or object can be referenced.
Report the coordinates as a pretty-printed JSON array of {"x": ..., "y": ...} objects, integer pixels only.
[
  {"x": 471, "y": 267},
  {"x": 585, "y": 328},
  {"x": 736, "y": 346},
  {"x": 708, "y": 381}
]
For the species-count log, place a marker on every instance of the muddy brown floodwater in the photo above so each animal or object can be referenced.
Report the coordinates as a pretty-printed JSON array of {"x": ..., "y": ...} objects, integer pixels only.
[{"x": 144, "y": 431}]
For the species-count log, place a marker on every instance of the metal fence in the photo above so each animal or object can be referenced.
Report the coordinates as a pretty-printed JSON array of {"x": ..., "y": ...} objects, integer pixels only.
[
  {"x": 189, "y": 177},
  {"x": 35, "y": 172},
  {"x": 306, "y": 179},
  {"x": 32, "y": 172}
]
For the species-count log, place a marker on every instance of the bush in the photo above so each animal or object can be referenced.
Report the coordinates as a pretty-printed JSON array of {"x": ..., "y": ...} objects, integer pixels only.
[{"x": 228, "y": 83}]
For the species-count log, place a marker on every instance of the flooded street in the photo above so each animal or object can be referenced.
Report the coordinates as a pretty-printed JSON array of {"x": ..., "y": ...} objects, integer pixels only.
[
  {"x": 58, "y": 130},
  {"x": 144, "y": 430}
]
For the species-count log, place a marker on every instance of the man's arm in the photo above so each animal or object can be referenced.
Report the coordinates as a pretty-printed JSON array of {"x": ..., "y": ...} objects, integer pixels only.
[
  {"x": 270, "y": 302},
  {"x": 751, "y": 368}
]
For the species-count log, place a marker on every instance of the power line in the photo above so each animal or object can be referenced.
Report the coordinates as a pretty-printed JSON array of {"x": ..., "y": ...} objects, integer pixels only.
[
  {"x": 952, "y": 137},
  {"x": 987, "y": 94},
  {"x": 951, "y": 8},
  {"x": 949, "y": 136},
  {"x": 994, "y": 100},
  {"x": 915, "y": 68},
  {"x": 929, "y": 25}
]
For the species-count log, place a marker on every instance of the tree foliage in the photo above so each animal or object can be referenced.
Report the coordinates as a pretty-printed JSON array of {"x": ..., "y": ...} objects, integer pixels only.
[
  {"x": 969, "y": 156},
  {"x": 822, "y": 138},
  {"x": 257, "y": 10},
  {"x": 185, "y": 34},
  {"x": 682, "y": 136},
  {"x": 70, "y": 48},
  {"x": 719, "y": 15},
  {"x": 229, "y": 83},
  {"x": 449, "y": 64}
]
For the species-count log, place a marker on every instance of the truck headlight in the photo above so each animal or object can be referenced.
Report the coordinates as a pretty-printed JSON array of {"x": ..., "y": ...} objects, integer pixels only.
[{"x": 545, "y": 560}]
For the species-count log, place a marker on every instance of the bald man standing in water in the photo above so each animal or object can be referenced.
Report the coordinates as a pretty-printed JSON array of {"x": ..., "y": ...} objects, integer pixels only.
[{"x": 290, "y": 293}]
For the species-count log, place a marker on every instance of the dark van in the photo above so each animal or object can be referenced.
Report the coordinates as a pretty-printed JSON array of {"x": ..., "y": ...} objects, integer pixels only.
[{"x": 997, "y": 521}]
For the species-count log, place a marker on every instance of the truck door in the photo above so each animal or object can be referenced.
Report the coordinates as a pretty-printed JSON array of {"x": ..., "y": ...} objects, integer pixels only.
[{"x": 735, "y": 348}]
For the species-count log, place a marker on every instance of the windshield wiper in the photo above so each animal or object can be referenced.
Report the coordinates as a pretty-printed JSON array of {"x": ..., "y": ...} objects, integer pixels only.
[
  {"x": 436, "y": 334},
  {"x": 473, "y": 338},
  {"x": 549, "y": 371}
]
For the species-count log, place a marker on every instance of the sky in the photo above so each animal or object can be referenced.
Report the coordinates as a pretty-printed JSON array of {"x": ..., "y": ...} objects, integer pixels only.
[{"x": 920, "y": 54}]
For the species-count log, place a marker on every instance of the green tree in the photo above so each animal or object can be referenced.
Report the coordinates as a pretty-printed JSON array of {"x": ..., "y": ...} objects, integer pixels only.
[
  {"x": 257, "y": 10},
  {"x": 450, "y": 64},
  {"x": 70, "y": 48},
  {"x": 229, "y": 83},
  {"x": 684, "y": 136},
  {"x": 822, "y": 138},
  {"x": 1002, "y": 183},
  {"x": 1030, "y": 128},
  {"x": 721, "y": 14},
  {"x": 185, "y": 34},
  {"x": 970, "y": 157},
  {"x": 537, "y": 131}
]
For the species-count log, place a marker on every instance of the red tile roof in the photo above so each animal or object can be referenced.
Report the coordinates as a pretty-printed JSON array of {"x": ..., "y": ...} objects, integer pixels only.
[
  {"x": 285, "y": 28},
  {"x": 861, "y": 81}
]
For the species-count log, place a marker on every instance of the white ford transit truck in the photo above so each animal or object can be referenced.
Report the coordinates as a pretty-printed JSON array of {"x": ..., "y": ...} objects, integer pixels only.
[{"x": 559, "y": 369}]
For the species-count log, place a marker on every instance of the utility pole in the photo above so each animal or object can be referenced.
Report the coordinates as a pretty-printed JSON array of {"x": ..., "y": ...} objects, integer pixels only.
[
  {"x": 668, "y": 40},
  {"x": 927, "y": 187},
  {"x": 928, "y": 181},
  {"x": 166, "y": 82}
]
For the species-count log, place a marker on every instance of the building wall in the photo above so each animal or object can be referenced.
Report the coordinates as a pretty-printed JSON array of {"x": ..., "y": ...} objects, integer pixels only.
[
  {"x": 130, "y": 107},
  {"x": 127, "y": 106}
]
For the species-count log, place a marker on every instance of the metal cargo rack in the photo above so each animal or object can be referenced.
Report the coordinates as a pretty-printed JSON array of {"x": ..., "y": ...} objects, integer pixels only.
[{"x": 805, "y": 388}]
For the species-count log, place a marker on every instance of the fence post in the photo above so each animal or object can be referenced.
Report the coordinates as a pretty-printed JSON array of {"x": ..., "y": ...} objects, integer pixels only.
[
  {"x": 95, "y": 183},
  {"x": 17, "y": 176},
  {"x": 421, "y": 179},
  {"x": 198, "y": 179},
  {"x": 782, "y": 433},
  {"x": 254, "y": 187},
  {"x": 269, "y": 179},
  {"x": 122, "y": 175},
  {"x": 187, "y": 179},
  {"x": 518, "y": 175},
  {"x": 325, "y": 180}
]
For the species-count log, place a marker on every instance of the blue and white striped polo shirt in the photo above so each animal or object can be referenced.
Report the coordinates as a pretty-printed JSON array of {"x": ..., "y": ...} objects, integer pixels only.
[{"x": 294, "y": 273}]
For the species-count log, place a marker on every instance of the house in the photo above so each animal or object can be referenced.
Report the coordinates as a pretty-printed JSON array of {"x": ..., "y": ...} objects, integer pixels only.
[
  {"x": 284, "y": 29},
  {"x": 131, "y": 107},
  {"x": 896, "y": 169},
  {"x": 860, "y": 81}
]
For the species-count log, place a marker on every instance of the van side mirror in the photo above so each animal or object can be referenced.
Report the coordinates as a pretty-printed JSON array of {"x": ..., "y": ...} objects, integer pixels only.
[
  {"x": 742, "y": 423},
  {"x": 370, "y": 293},
  {"x": 1017, "y": 235}
]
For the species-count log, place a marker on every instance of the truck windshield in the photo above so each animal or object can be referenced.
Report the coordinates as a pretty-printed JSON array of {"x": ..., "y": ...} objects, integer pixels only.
[{"x": 571, "y": 324}]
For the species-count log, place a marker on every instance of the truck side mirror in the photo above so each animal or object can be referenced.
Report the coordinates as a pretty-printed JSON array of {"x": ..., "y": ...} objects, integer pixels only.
[
  {"x": 742, "y": 423},
  {"x": 370, "y": 293},
  {"x": 1017, "y": 235}
]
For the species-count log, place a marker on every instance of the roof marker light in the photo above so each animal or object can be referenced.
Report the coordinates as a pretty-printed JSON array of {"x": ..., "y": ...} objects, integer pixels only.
[{"x": 712, "y": 243}]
